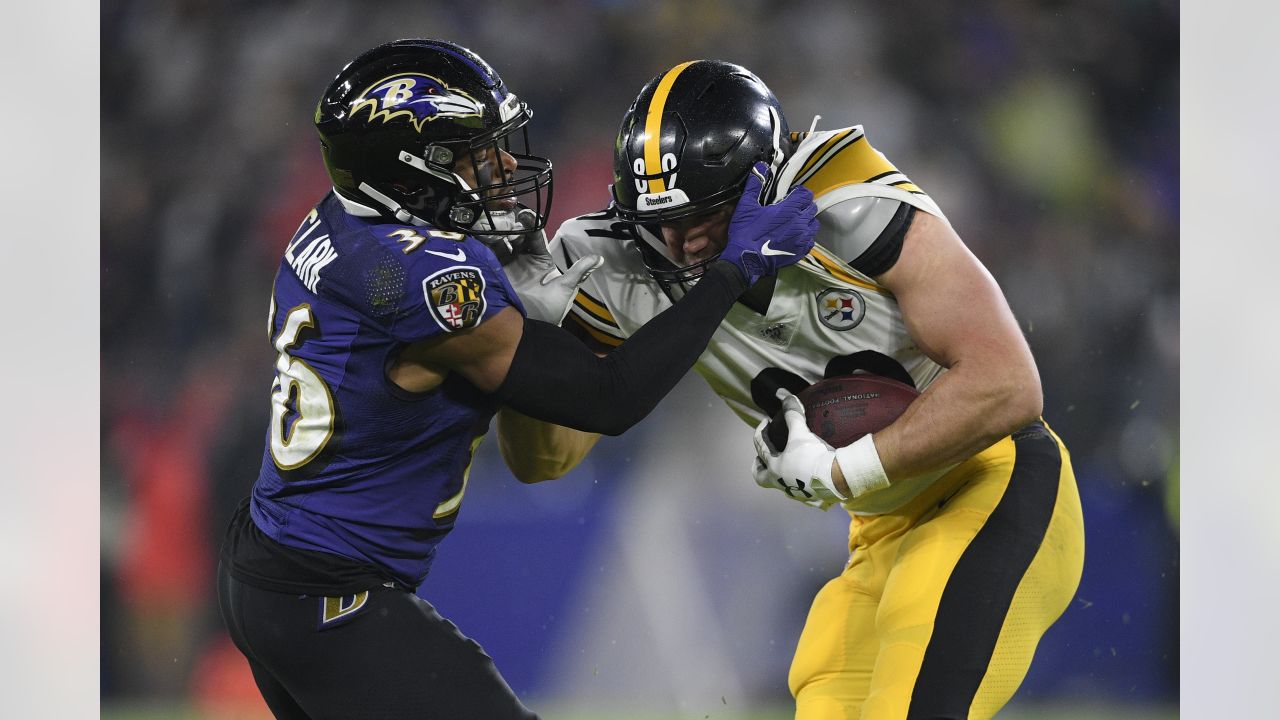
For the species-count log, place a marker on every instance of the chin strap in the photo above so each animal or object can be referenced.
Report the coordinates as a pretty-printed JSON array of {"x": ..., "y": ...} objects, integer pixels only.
[
  {"x": 771, "y": 189},
  {"x": 354, "y": 208},
  {"x": 400, "y": 213}
]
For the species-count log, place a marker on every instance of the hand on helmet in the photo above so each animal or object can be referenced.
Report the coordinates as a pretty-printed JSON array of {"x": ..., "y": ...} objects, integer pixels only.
[{"x": 765, "y": 238}]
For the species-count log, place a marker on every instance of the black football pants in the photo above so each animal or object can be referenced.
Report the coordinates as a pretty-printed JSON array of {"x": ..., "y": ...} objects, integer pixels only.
[{"x": 383, "y": 655}]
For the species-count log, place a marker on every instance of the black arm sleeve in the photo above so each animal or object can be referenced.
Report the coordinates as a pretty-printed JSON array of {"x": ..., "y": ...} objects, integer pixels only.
[{"x": 555, "y": 378}]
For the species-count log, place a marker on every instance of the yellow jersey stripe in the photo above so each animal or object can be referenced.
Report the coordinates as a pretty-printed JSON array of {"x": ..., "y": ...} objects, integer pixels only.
[
  {"x": 815, "y": 155},
  {"x": 857, "y": 163},
  {"x": 599, "y": 335},
  {"x": 595, "y": 307},
  {"x": 829, "y": 152},
  {"x": 595, "y": 310},
  {"x": 653, "y": 127},
  {"x": 832, "y": 266}
]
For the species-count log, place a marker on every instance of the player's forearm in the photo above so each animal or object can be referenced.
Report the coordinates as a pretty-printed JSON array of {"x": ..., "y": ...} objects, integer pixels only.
[
  {"x": 958, "y": 316},
  {"x": 962, "y": 413},
  {"x": 536, "y": 451},
  {"x": 554, "y": 377}
]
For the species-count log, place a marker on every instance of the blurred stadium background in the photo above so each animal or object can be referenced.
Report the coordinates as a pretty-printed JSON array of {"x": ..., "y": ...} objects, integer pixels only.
[{"x": 656, "y": 581}]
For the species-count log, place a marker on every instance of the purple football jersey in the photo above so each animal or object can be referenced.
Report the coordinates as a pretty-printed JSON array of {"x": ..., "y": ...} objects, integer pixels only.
[{"x": 354, "y": 465}]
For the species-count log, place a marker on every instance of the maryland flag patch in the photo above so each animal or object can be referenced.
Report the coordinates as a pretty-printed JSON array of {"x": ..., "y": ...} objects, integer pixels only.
[{"x": 455, "y": 297}]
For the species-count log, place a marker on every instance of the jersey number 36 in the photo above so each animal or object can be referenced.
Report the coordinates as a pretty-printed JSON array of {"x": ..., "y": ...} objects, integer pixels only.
[{"x": 302, "y": 414}]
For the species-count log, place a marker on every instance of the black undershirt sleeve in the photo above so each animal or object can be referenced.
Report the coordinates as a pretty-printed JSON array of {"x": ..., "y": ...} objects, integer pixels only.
[
  {"x": 555, "y": 378},
  {"x": 884, "y": 252}
]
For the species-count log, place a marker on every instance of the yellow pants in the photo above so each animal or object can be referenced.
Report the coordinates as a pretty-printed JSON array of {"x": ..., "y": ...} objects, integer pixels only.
[{"x": 943, "y": 601}]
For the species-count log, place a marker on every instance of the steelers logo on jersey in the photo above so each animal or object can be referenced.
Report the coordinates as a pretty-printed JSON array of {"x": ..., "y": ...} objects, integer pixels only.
[
  {"x": 841, "y": 308},
  {"x": 455, "y": 297}
]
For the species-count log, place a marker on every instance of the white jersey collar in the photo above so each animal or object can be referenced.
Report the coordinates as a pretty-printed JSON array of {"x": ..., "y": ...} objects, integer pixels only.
[{"x": 354, "y": 208}]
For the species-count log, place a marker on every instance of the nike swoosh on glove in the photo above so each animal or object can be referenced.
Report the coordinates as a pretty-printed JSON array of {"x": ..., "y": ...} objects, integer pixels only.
[{"x": 766, "y": 238}]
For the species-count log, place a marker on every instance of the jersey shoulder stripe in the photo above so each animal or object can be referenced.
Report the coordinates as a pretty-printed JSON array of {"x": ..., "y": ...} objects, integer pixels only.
[
  {"x": 826, "y": 161},
  {"x": 896, "y": 179},
  {"x": 824, "y": 151}
]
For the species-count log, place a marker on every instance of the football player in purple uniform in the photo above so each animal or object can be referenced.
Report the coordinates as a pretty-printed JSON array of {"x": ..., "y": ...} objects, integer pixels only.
[{"x": 398, "y": 337}]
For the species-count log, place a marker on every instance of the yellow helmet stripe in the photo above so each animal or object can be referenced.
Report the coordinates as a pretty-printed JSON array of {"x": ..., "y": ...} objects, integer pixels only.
[{"x": 653, "y": 127}]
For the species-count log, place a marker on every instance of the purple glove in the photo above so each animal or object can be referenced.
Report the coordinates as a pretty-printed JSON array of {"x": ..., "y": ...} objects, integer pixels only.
[{"x": 765, "y": 238}]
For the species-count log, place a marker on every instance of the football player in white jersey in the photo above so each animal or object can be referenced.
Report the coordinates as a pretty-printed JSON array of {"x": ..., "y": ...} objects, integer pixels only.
[{"x": 966, "y": 535}]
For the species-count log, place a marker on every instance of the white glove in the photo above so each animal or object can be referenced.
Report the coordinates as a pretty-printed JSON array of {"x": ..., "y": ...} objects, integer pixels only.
[
  {"x": 547, "y": 293},
  {"x": 802, "y": 469}
]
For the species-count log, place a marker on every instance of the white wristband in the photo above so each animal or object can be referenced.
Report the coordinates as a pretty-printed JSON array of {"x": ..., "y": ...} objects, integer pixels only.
[{"x": 861, "y": 466}]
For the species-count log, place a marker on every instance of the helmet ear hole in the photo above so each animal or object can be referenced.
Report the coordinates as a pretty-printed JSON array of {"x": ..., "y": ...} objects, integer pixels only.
[
  {"x": 440, "y": 155},
  {"x": 462, "y": 215},
  {"x": 723, "y": 155},
  {"x": 406, "y": 188}
]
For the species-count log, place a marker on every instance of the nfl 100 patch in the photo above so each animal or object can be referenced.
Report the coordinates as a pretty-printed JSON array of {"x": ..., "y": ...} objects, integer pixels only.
[
  {"x": 455, "y": 297},
  {"x": 841, "y": 308}
]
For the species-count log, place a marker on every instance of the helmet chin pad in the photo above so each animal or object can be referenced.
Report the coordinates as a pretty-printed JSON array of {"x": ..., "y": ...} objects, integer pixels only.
[{"x": 505, "y": 232}]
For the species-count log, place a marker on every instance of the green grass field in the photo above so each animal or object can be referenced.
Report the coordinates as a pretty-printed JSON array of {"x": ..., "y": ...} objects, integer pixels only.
[{"x": 1020, "y": 712}]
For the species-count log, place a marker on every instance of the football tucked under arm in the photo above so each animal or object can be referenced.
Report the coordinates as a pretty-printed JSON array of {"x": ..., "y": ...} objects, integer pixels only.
[
  {"x": 843, "y": 409},
  {"x": 819, "y": 449}
]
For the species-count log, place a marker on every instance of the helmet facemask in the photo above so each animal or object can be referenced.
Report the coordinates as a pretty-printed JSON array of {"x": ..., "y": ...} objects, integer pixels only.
[
  {"x": 506, "y": 205},
  {"x": 674, "y": 279}
]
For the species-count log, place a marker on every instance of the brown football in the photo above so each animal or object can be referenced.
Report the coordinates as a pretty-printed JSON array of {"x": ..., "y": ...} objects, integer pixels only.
[{"x": 842, "y": 409}]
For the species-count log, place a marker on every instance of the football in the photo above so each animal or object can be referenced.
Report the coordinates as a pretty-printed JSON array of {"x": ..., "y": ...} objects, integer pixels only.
[{"x": 842, "y": 409}]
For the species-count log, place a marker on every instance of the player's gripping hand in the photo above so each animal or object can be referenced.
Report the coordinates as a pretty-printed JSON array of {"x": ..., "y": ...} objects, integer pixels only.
[
  {"x": 766, "y": 238},
  {"x": 546, "y": 292},
  {"x": 802, "y": 469}
]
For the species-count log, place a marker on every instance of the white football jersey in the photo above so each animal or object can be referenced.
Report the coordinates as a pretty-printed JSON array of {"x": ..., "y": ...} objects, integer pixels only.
[{"x": 823, "y": 318}]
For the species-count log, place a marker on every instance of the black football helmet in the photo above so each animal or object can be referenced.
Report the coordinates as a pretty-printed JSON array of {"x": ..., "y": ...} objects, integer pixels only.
[
  {"x": 686, "y": 146},
  {"x": 394, "y": 122}
]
